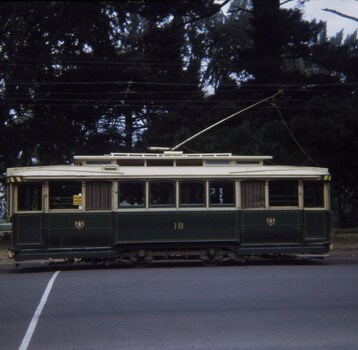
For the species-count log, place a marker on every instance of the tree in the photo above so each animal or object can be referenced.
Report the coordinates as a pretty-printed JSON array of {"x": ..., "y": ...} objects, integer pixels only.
[
  {"x": 99, "y": 77},
  {"x": 341, "y": 14},
  {"x": 44, "y": 47}
]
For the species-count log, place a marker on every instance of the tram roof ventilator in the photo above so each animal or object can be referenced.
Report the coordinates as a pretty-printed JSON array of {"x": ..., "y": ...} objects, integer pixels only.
[{"x": 112, "y": 160}]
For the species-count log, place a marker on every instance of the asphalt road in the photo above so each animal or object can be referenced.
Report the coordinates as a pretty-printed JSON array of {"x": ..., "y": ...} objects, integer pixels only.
[{"x": 262, "y": 305}]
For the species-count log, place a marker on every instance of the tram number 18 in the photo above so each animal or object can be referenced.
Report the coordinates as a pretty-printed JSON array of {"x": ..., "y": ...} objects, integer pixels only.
[{"x": 179, "y": 225}]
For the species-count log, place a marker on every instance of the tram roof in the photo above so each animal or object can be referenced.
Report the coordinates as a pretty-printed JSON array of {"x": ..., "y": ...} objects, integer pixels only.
[
  {"x": 203, "y": 165},
  {"x": 76, "y": 172}
]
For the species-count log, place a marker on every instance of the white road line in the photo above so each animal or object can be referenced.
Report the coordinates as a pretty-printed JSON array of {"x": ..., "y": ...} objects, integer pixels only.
[{"x": 30, "y": 330}]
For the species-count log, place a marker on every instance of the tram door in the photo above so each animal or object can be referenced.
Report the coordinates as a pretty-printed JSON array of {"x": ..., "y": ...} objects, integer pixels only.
[
  {"x": 28, "y": 230},
  {"x": 29, "y": 223}
]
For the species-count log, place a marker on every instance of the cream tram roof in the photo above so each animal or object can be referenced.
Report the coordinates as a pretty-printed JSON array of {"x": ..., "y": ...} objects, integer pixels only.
[{"x": 176, "y": 165}]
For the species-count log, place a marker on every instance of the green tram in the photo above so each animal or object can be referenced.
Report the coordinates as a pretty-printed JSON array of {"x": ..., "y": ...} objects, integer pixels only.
[{"x": 141, "y": 207}]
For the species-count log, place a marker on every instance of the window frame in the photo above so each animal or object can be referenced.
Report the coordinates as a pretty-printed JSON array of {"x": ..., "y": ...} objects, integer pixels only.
[
  {"x": 192, "y": 205},
  {"x": 131, "y": 206},
  {"x": 282, "y": 206},
  {"x": 17, "y": 198},
  {"x": 264, "y": 193},
  {"x": 324, "y": 194},
  {"x": 234, "y": 193},
  {"x": 85, "y": 197},
  {"x": 75, "y": 208},
  {"x": 173, "y": 205}
]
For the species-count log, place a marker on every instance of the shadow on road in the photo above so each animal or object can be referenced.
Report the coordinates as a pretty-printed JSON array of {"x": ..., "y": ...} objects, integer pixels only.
[{"x": 41, "y": 266}]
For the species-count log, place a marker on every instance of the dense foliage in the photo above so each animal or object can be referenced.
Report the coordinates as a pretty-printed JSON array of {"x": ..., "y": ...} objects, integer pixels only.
[{"x": 96, "y": 77}]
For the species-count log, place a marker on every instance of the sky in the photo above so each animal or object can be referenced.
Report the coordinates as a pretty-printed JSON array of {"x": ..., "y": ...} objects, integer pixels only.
[{"x": 313, "y": 9}]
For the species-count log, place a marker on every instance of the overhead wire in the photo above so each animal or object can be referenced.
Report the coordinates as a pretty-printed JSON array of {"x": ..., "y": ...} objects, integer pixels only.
[
  {"x": 226, "y": 119},
  {"x": 51, "y": 97},
  {"x": 140, "y": 92},
  {"x": 291, "y": 133},
  {"x": 108, "y": 105},
  {"x": 126, "y": 82},
  {"x": 34, "y": 61}
]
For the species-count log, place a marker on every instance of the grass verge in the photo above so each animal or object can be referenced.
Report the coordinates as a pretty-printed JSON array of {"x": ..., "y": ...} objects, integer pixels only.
[{"x": 347, "y": 235}]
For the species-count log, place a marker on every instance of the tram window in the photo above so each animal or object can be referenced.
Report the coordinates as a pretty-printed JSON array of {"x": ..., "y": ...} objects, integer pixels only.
[
  {"x": 159, "y": 162},
  {"x": 217, "y": 162},
  {"x": 98, "y": 162},
  {"x": 98, "y": 195},
  {"x": 162, "y": 194},
  {"x": 283, "y": 193},
  {"x": 192, "y": 193},
  {"x": 189, "y": 162},
  {"x": 62, "y": 194},
  {"x": 252, "y": 194},
  {"x": 313, "y": 194},
  {"x": 29, "y": 196},
  {"x": 131, "y": 162},
  {"x": 222, "y": 193},
  {"x": 131, "y": 193}
]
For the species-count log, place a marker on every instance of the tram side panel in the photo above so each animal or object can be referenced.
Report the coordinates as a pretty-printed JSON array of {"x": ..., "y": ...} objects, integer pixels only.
[
  {"x": 317, "y": 226},
  {"x": 287, "y": 231},
  {"x": 144, "y": 227},
  {"x": 29, "y": 230},
  {"x": 82, "y": 230},
  {"x": 176, "y": 228},
  {"x": 209, "y": 226},
  {"x": 265, "y": 227},
  {"x": 258, "y": 230},
  {"x": 61, "y": 235}
]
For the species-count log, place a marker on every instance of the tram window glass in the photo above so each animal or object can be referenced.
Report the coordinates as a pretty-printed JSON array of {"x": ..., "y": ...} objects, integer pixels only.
[
  {"x": 283, "y": 193},
  {"x": 189, "y": 162},
  {"x": 98, "y": 195},
  {"x": 131, "y": 162},
  {"x": 131, "y": 193},
  {"x": 29, "y": 196},
  {"x": 313, "y": 194},
  {"x": 217, "y": 162},
  {"x": 159, "y": 162},
  {"x": 192, "y": 193},
  {"x": 162, "y": 193},
  {"x": 62, "y": 194},
  {"x": 222, "y": 193},
  {"x": 252, "y": 194}
]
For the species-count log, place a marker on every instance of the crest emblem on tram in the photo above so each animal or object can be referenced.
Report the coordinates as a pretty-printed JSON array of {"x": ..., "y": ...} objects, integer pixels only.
[
  {"x": 270, "y": 221},
  {"x": 79, "y": 224}
]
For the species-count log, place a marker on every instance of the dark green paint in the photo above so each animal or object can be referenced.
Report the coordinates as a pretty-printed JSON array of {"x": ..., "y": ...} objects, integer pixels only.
[
  {"x": 204, "y": 226},
  {"x": 28, "y": 230},
  {"x": 59, "y": 230},
  {"x": 316, "y": 225},
  {"x": 55, "y": 234},
  {"x": 176, "y": 226},
  {"x": 96, "y": 232},
  {"x": 285, "y": 227},
  {"x": 145, "y": 227}
]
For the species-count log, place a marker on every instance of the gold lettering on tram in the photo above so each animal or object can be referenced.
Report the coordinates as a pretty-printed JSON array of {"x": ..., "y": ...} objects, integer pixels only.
[{"x": 179, "y": 225}]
